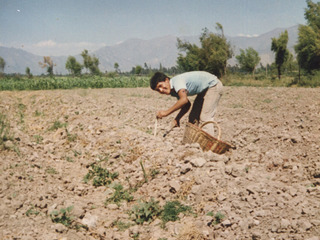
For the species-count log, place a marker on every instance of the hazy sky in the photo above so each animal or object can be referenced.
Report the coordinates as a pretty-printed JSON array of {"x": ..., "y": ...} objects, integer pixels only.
[{"x": 66, "y": 27}]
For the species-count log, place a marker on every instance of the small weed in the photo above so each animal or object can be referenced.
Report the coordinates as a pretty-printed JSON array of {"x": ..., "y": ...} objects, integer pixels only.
[
  {"x": 22, "y": 109},
  {"x": 38, "y": 138},
  {"x": 99, "y": 176},
  {"x": 311, "y": 185},
  {"x": 135, "y": 236},
  {"x": 119, "y": 195},
  {"x": 154, "y": 173},
  {"x": 267, "y": 100},
  {"x": 56, "y": 125},
  {"x": 32, "y": 211},
  {"x": 122, "y": 226},
  {"x": 5, "y": 134},
  {"x": 38, "y": 114},
  {"x": 171, "y": 210},
  {"x": 76, "y": 153},
  {"x": 51, "y": 170},
  {"x": 237, "y": 105},
  {"x": 246, "y": 169},
  {"x": 71, "y": 137},
  {"x": 210, "y": 214},
  {"x": 63, "y": 216},
  {"x": 145, "y": 211},
  {"x": 218, "y": 218},
  {"x": 144, "y": 172},
  {"x": 69, "y": 159}
]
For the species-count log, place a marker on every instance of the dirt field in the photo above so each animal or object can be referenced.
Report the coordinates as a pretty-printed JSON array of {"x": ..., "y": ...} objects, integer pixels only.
[{"x": 267, "y": 188}]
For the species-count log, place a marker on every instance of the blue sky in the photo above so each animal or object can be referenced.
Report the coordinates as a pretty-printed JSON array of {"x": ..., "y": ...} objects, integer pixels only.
[{"x": 66, "y": 27}]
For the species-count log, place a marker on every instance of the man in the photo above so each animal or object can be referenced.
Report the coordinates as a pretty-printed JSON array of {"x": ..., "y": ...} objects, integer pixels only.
[{"x": 206, "y": 86}]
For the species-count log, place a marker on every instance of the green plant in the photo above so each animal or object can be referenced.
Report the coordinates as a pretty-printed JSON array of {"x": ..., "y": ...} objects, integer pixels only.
[
  {"x": 38, "y": 138},
  {"x": 32, "y": 211},
  {"x": 69, "y": 159},
  {"x": 145, "y": 211},
  {"x": 37, "y": 113},
  {"x": 56, "y": 125},
  {"x": 51, "y": 170},
  {"x": 99, "y": 176},
  {"x": 218, "y": 218},
  {"x": 22, "y": 109},
  {"x": 63, "y": 216},
  {"x": 171, "y": 210},
  {"x": 144, "y": 172},
  {"x": 210, "y": 214},
  {"x": 154, "y": 173},
  {"x": 71, "y": 137},
  {"x": 5, "y": 134},
  {"x": 122, "y": 226},
  {"x": 119, "y": 195}
]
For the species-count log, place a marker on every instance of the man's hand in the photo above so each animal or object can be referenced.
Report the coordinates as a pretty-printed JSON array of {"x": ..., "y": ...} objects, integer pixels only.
[{"x": 161, "y": 114}]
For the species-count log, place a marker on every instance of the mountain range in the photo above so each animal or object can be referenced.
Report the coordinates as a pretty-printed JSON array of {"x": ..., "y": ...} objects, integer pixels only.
[{"x": 133, "y": 52}]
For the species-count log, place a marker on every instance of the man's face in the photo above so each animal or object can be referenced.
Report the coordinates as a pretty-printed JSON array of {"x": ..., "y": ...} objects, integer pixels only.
[{"x": 164, "y": 87}]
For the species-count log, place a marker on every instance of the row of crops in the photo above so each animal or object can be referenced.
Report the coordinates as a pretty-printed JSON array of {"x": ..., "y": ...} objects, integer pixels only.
[{"x": 44, "y": 83}]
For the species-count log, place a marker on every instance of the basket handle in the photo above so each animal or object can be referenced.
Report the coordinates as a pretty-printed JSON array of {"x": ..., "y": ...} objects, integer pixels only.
[{"x": 217, "y": 125}]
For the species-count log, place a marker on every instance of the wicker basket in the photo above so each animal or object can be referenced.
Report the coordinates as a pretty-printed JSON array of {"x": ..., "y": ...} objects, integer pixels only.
[{"x": 207, "y": 142}]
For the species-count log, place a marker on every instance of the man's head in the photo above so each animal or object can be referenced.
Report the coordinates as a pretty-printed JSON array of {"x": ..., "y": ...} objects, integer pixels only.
[{"x": 160, "y": 83}]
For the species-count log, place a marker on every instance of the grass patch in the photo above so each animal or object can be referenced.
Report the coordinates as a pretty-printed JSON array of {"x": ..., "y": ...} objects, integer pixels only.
[
  {"x": 148, "y": 211},
  {"x": 122, "y": 226},
  {"x": 99, "y": 176},
  {"x": 56, "y": 125},
  {"x": 63, "y": 216},
  {"x": 119, "y": 195},
  {"x": 145, "y": 211},
  {"x": 171, "y": 211}
]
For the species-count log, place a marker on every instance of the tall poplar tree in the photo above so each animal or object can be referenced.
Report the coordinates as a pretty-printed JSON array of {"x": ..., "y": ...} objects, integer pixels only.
[
  {"x": 279, "y": 46},
  {"x": 308, "y": 47}
]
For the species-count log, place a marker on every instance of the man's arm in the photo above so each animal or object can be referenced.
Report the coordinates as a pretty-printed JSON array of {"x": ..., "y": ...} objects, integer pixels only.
[{"x": 182, "y": 101}]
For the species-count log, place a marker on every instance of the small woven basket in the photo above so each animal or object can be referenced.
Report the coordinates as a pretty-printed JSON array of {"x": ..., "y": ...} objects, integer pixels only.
[{"x": 195, "y": 134}]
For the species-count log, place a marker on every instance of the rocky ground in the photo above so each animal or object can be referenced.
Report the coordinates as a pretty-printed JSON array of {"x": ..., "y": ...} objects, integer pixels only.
[{"x": 266, "y": 188}]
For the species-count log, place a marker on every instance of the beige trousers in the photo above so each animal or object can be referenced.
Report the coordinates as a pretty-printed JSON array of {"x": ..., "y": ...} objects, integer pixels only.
[{"x": 205, "y": 106}]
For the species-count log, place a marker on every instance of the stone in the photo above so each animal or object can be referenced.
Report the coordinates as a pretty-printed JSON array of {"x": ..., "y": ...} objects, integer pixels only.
[
  {"x": 90, "y": 220},
  {"x": 198, "y": 162},
  {"x": 174, "y": 185}
]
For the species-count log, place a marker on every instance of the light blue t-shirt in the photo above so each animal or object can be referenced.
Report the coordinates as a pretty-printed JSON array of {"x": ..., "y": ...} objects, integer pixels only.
[{"x": 195, "y": 82}]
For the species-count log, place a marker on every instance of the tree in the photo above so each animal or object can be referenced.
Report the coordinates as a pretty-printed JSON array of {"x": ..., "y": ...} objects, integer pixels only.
[
  {"x": 73, "y": 66},
  {"x": 2, "y": 64},
  {"x": 248, "y": 59},
  {"x": 90, "y": 63},
  {"x": 279, "y": 46},
  {"x": 212, "y": 56},
  {"x": 116, "y": 67},
  {"x": 138, "y": 70},
  {"x": 28, "y": 72},
  {"x": 308, "y": 47},
  {"x": 47, "y": 63}
]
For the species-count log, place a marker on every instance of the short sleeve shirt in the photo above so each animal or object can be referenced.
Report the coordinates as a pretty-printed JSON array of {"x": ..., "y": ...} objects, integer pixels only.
[{"x": 195, "y": 82}]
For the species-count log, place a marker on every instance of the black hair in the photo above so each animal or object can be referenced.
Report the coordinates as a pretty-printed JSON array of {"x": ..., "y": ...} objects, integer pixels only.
[{"x": 157, "y": 77}]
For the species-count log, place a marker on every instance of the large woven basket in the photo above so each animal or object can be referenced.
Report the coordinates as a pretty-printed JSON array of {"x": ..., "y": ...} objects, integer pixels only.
[{"x": 195, "y": 134}]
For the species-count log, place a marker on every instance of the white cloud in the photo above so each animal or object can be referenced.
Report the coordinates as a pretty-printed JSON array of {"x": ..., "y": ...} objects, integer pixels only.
[
  {"x": 52, "y": 48},
  {"x": 247, "y": 35},
  {"x": 45, "y": 44}
]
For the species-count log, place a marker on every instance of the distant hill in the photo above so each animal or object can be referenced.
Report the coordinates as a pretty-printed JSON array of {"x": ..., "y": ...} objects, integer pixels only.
[{"x": 134, "y": 52}]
